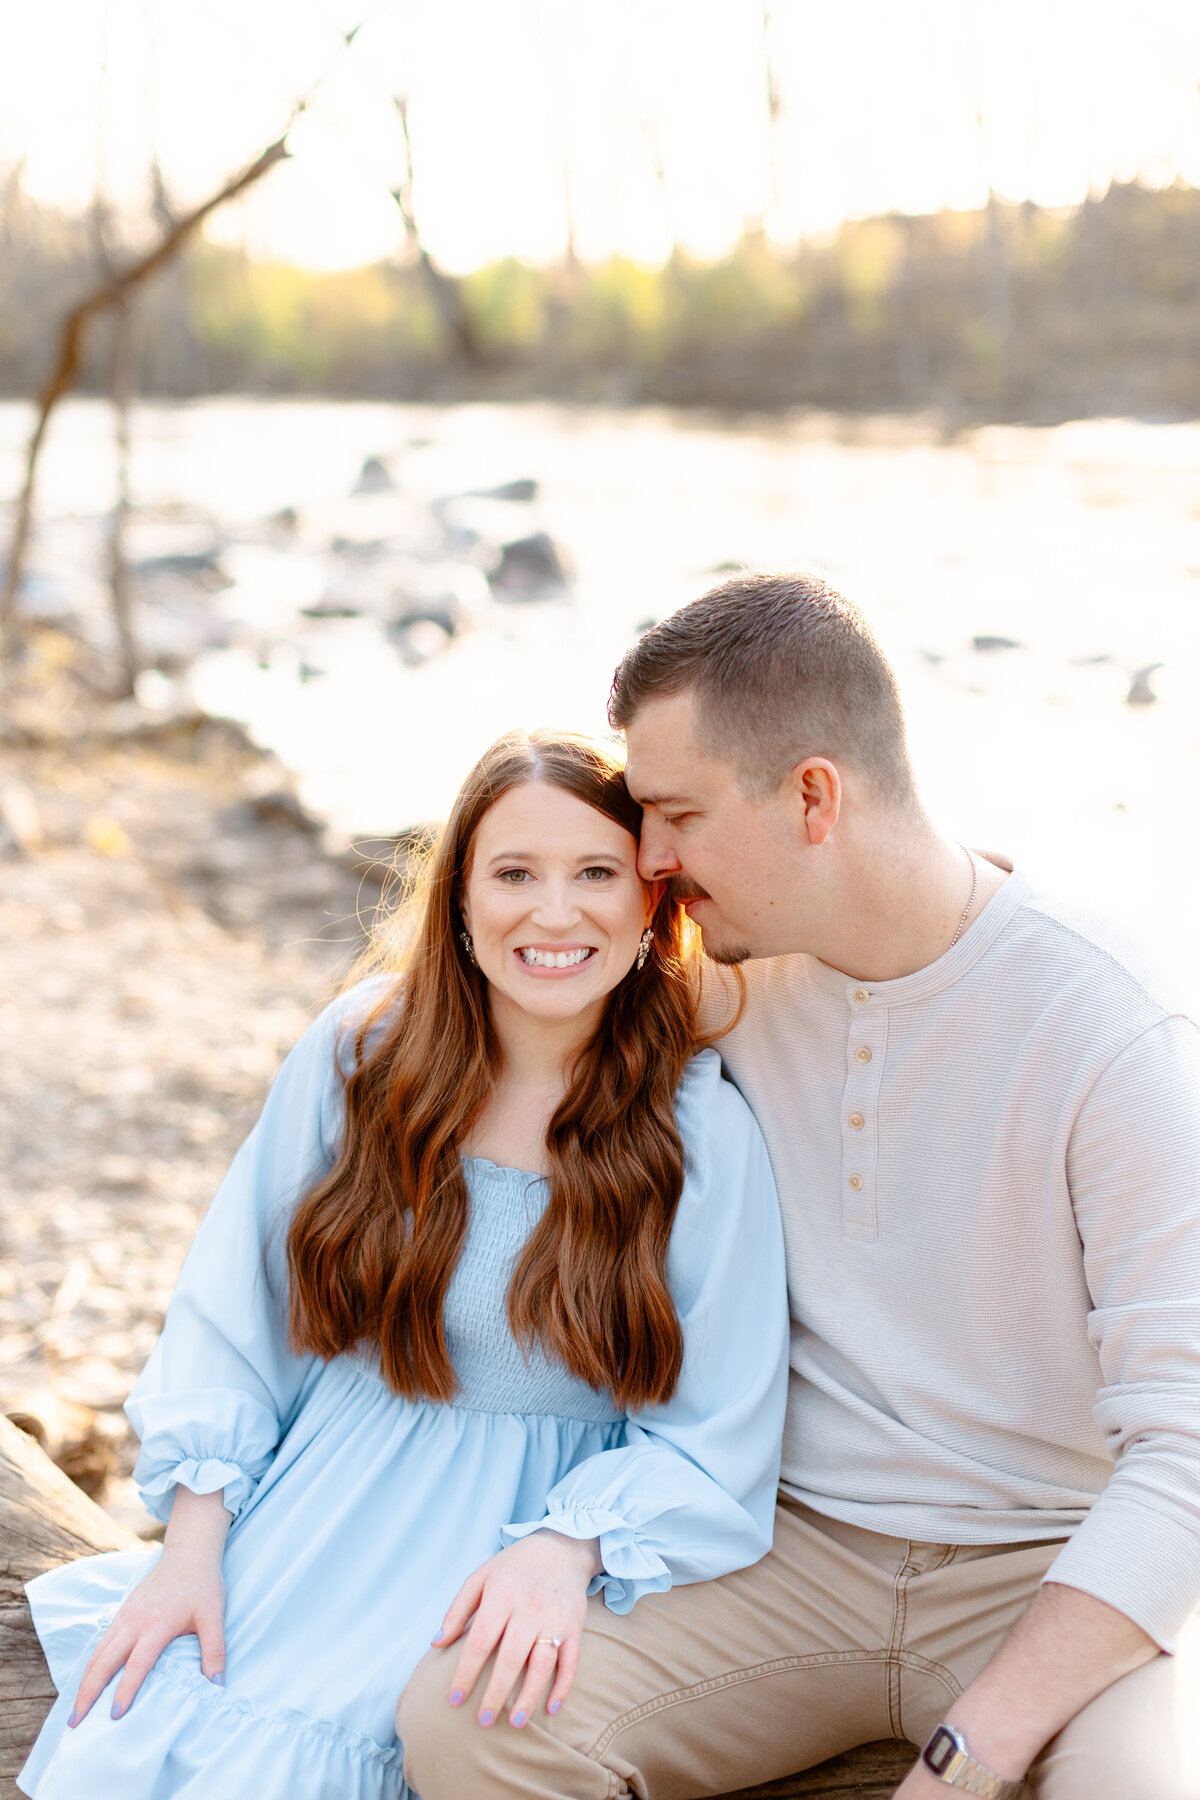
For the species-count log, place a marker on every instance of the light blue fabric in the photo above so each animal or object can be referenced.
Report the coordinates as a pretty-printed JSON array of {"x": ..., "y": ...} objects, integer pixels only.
[{"x": 359, "y": 1514}]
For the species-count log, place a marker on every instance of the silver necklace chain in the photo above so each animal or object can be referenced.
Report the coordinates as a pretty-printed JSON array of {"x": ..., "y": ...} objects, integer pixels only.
[{"x": 962, "y": 923}]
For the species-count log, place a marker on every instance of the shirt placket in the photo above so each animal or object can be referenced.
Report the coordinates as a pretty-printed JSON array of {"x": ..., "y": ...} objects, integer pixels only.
[{"x": 866, "y": 1047}]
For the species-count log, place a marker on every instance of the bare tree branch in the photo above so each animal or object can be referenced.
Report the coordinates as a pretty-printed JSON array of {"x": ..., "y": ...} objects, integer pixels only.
[
  {"x": 160, "y": 199},
  {"x": 120, "y": 384},
  {"x": 120, "y": 381},
  {"x": 114, "y": 292},
  {"x": 446, "y": 293},
  {"x": 774, "y": 101}
]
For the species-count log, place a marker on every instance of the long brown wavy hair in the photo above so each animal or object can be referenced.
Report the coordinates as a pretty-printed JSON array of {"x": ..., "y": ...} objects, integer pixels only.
[{"x": 373, "y": 1245}]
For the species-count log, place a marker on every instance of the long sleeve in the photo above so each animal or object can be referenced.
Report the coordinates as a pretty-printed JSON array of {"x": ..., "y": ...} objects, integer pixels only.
[
  {"x": 219, "y": 1387},
  {"x": 1134, "y": 1175},
  {"x": 690, "y": 1494}
]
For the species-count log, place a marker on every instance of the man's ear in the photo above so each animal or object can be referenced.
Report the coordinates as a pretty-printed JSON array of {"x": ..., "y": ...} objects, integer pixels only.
[{"x": 814, "y": 793}]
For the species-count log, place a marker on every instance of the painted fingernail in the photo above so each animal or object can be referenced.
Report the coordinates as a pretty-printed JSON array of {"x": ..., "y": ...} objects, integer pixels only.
[
  {"x": 486, "y": 1719},
  {"x": 116, "y": 1709},
  {"x": 437, "y": 1637},
  {"x": 554, "y": 1706},
  {"x": 74, "y": 1718},
  {"x": 519, "y": 1719},
  {"x": 218, "y": 1680},
  {"x": 457, "y": 1697}
]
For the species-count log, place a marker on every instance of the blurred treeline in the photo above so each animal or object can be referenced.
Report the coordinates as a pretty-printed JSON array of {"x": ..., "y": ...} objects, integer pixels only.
[{"x": 1006, "y": 312}]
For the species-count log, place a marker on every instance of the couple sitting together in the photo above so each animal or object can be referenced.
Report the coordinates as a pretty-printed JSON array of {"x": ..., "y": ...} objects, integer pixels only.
[{"x": 486, "y": 1339}]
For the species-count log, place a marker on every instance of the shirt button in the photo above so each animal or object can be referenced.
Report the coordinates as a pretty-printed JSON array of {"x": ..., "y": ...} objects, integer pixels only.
[
  {"x": 863, "y": 1055},
  {"x": 856, "y": 1182},
  {"x": 856, "y": 1121},
  {"x": 862, "y": 995}
]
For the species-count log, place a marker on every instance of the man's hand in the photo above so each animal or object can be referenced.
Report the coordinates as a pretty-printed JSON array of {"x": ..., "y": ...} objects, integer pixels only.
[
  {"x": 532, "y": 1592},
  {"x": 1067, "y": 1648}
]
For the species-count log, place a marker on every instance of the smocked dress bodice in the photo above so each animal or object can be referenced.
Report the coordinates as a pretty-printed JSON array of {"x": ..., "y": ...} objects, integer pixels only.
[{"x": 495, "y": 1373}]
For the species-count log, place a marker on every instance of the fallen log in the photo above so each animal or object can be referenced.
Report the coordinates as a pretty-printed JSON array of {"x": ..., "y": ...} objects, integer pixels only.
[
  {"x": 871, "y": 1772},
  {"x": 44, "y": 1520}
]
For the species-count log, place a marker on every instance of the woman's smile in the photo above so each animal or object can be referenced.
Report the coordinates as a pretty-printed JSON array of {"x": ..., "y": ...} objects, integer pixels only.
[{"x": 554, "y": 959}]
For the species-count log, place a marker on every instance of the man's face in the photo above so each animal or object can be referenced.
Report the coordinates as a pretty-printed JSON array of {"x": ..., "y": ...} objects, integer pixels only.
[{"x": 732, "y": 860}]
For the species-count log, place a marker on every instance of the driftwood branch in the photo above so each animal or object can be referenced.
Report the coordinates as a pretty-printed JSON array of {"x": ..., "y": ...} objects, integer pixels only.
[
  {"x": 44, "y": 1520},
  {"x": 872, "y": 1772}
]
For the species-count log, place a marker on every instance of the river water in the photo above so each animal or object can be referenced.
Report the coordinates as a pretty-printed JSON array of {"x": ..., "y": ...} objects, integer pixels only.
[{"x": 1079, "y": 543}]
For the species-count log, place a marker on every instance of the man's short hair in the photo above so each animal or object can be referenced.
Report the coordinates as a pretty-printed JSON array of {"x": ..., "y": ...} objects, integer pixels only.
[{"x": 782, "y": 667}]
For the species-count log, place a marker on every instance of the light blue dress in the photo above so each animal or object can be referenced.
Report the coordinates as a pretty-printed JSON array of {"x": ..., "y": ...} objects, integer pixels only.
[{"x": 358, "y": 1514}]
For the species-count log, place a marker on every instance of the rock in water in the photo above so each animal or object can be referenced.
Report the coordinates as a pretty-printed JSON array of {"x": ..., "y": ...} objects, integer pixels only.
[
  {"x": 986, "y": 644},
  {"x": 522, "y": 491},
  {"x": 1140, "y": 692},
  {"x": 374, "y": 478},
  {"x": 530, "y": 567}
]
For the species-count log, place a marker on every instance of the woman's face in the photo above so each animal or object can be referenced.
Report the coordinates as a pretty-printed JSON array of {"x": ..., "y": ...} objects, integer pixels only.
[{"x": 554, "y": 903}]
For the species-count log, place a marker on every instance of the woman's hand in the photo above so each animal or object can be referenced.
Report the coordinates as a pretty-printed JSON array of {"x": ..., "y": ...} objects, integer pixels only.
[
  {"x": 531, "y": 1592},
  {"x": 183, "y": 1594}
]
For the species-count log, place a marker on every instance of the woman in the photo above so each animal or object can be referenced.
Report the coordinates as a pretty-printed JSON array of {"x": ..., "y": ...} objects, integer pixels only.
[{"x": 491, "y": 1300}]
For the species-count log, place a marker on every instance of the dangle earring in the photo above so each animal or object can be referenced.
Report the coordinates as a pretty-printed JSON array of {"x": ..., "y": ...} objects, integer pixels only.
[
  {"x": 469, "y": 947},
  {"x": 645, "y": 947}
]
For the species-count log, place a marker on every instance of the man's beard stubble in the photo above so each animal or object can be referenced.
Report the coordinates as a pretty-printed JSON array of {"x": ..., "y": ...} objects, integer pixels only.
[{"x": 729, "y": 955}]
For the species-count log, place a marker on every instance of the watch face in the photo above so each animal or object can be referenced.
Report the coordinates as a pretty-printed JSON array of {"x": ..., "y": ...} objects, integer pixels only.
[{"x": 940, "y": 1748}]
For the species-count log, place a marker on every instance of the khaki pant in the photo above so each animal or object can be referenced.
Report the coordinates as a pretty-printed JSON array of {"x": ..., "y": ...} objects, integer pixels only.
[{"x": 838, "y": 1637}]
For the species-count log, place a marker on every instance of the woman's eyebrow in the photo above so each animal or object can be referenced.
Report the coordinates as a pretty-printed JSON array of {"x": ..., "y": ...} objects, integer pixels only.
[{"x": 525, "y": 856}]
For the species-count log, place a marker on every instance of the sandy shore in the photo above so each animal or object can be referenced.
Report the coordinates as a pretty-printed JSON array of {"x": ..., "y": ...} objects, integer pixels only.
[{"x": 167, "y": 929}]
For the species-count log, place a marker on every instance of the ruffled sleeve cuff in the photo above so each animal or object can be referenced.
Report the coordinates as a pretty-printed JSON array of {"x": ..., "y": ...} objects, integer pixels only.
[
  {"x": 206, "y": 1476},
  {"x": 205, "y": 1439},
  {"x": 630, "y": 1568}
]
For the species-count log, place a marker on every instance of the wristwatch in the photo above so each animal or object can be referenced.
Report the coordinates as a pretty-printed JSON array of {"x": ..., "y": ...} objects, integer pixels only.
[{"x": 946, "y": 1756}]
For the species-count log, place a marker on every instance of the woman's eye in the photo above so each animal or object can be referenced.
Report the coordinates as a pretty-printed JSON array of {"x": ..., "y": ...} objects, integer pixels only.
[
  {"x": 515, "y": 876},
  {"x": 598, "y": 873}
]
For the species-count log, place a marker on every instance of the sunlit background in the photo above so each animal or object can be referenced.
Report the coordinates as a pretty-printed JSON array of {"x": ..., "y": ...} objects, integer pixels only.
[
  {"x": 629, "y": 128},
  {"x": 553, "y": 315}
]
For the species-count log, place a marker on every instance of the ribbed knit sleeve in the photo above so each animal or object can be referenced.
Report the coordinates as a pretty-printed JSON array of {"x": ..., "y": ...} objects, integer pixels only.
[{"x": 1133, "y": 1168}]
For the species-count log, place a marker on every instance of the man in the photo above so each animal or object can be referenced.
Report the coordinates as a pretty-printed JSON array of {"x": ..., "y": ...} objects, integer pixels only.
[{"x": 984, "y": 1120}]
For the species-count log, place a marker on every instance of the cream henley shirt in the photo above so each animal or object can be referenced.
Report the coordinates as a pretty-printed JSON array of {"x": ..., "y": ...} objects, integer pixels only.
[{"x": 990, "y": 1179}]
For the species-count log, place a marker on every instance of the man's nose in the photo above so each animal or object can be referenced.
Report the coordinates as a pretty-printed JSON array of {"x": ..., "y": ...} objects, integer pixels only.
[{"x": 656, "y": 856}]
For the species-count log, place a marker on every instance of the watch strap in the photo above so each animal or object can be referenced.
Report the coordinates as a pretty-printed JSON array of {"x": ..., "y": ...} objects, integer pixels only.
[{"x": 946, "y": 1755}]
